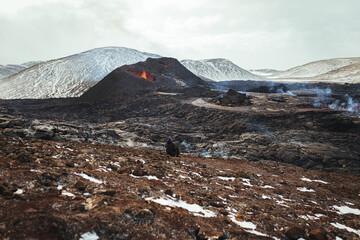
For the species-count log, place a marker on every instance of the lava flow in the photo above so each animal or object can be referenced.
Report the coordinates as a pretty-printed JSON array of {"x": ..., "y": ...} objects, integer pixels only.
[{"x": 145, "y": 75}]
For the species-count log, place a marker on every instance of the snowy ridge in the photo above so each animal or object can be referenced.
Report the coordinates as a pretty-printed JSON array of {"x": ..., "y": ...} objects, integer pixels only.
[
  {"x": 69, "y": 76},
  {"x": 349, "y": 74},
  {"x": 10, "y": 69},
  {"x": 263, "y": 72},
  {"x": 313, "y": 69},
  {"x": 218, "y": 69}
]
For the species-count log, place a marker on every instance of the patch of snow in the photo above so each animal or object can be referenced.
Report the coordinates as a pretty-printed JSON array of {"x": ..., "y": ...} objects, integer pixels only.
[
  {"x": 34, "y": 170},
  {"x": 309, "y": 180},
  {"x": 19, "y": 192},
  {"x": 182, "y": 176},
  {"x": 309, "y": 218},
  {"x": 246, "y": 182},
  {"x": 341, "y": 226},
  {"x": 349, "y": 203},
  {"x": 59, "y": 187},
  {"x": 148, "y": 177},
  {"x": 282, "y": 203},
  {"x": 265, "y": 197},
  {"x": 226, "y": 178},
  {"x": 83, "y": 175},
  {"x": 89, "y": 236},
  {"x": 194, "y": 208},
  {"x": 346, "y": 210},
  {"x": 86, "y": 194},
  {"x": 197, "y": 174},
  {"x": 249, "y": 226},
  {"x": 285, "y": 199},
  {"x": 304, "y": 189},
  {"x": 267, "y": 186},
  {"x": 69, "y": 194},
  {"x": 338, "y": 238}
]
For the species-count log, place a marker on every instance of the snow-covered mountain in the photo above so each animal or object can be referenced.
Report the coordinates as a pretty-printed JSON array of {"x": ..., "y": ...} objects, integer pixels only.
[
  {"x": 10, "y": 69},
  {"x": 69, "y": 76},
  {"x": 218, "y": 69},
  {"x": 263, "y": 72},
  {"x": 313, "y": 69}
]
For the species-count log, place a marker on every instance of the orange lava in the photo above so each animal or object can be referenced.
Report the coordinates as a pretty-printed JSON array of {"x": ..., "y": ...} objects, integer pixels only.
[{"x": 145, "y": 75}]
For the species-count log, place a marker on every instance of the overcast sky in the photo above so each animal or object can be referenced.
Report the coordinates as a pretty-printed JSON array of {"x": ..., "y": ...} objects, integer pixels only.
[{"x": 253, "y": 34}]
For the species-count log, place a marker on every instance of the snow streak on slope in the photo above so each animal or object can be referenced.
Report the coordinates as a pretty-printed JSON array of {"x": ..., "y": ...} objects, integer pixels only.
[
  {"x": 218, "y": 70},
  {"x": 69, "y": 76},
  {"x": 10, "y": 69},
  {"x": 349, "y": 74},
  {"x": 263, "y": 72},
  {"x": 316, "y": 68}
]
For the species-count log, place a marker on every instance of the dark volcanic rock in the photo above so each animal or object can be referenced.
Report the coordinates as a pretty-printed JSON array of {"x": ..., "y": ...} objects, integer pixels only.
[
  {"x": 318, "y": 234},
  {"x": 281, "y": 88},
  {"x": 233, "y": 98},
  {"x": 144, "y": 77},
  {"x": 295, "y": 232}
]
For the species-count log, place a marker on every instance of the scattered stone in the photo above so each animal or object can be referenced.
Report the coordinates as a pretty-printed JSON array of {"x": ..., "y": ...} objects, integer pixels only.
[
  {"x": 138, "y": 171},
  {"x": 80, "y": 185},
  {"x": 125, "y": 170},
  {"x": 169, "y": 192},
  {"x": 208, "y": 233},
  {"x": 295, "y": 232},
  {"x": 318, "y": 234}
]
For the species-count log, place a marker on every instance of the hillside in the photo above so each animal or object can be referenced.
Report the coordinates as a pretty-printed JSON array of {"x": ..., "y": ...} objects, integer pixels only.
[
  {"x": 60, "y": 190},
  {"x": 316, "y": 68},
  {"x": 264, "y": 72},
  {"x": 10, "y": 69},
  {"x": 69, "y": 76},
  {"x": 218, "y": 69},
  {"x": 349, "y": 74}
]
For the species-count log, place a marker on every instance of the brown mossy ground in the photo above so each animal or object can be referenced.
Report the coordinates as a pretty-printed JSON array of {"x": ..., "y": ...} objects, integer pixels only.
[{"x": 46, "y": 193}]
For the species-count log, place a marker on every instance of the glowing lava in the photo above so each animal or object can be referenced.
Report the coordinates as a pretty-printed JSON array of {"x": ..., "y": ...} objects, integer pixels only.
[{"x": 145, "y": 75}]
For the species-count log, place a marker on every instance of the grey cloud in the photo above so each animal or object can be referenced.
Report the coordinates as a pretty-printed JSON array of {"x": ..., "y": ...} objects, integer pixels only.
[{"x": 254, "y": 34}]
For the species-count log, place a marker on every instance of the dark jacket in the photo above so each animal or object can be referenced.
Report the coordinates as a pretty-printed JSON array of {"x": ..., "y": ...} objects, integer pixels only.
[{"x": 172, "y": 149}]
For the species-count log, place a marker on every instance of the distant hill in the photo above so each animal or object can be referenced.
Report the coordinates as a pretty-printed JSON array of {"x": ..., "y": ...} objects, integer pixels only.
[
  {"x": 69, "y": 76},
  {"x": 349, "y": 74},
  {"x": 263, "y": 72},
  {"x": 11, "y": 69},
  {"x": 314, "y": 69},
  {"x": 218, "y": 69}
]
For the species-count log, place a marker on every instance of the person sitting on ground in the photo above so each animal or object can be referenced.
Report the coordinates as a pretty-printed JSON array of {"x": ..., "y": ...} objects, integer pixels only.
[{"x": 171, "y": 148}]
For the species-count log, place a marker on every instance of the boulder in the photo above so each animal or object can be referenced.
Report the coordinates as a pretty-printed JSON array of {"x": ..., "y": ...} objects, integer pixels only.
[
  {"x": 318, "y": 234},
  {"x": 295, "y": 232},
  {"x": 208, "y": 233}
]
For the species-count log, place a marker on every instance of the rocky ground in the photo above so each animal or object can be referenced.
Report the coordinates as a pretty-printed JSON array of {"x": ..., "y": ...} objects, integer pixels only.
[
  {"x": 264, "y": 166},
  {"x": 272, "y": 127},
  {"x": 67, "y": 190}
]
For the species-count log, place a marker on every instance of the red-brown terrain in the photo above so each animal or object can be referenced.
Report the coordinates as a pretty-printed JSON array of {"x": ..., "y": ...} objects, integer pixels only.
[
  {"x": 263, "y": 165},
  {"x": 63, "y": 190}
]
